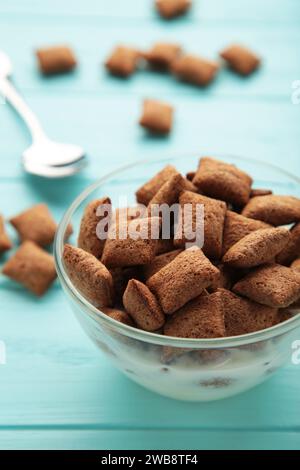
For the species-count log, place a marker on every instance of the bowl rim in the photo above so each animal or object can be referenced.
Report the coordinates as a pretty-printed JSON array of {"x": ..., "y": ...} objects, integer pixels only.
[{"x": 94, "y": 314}]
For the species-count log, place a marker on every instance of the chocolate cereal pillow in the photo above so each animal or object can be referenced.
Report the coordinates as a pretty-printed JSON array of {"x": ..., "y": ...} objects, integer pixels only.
[{"x": 223, "y": 181}]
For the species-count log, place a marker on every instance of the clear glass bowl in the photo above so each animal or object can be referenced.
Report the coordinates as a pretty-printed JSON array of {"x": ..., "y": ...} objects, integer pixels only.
[{"x": 209, "y": 369}]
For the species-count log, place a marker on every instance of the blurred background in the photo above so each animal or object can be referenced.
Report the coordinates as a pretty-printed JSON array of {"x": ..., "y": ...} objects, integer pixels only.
[{"x": 252, "y": 117}]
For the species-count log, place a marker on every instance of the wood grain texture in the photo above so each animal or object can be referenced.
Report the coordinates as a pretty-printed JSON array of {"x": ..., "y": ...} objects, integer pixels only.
[
  {"x": 215, "y": 10},
  {"x": 61, "y": 439},
  {"x": 57, "y": 390}
]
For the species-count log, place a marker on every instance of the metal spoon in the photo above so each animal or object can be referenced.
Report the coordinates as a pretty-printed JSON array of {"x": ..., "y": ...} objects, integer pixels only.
[{"x": 44, "y": 157}]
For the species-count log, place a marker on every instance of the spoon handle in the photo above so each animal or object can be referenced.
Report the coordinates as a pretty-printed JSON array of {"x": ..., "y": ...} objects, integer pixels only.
[{"x": 13, "y": 97}]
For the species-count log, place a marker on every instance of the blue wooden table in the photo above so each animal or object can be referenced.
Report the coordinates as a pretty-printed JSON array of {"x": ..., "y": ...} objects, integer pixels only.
[{"x": 56, "y": 390}]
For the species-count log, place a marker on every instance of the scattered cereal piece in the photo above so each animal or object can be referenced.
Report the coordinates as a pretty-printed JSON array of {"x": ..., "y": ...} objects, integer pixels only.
[
  {"x": 237, "y": 227},
  {"x": 292, "y": 250},
  {"x": 172, "y": 8},
  {"x": 142, "y": 305},
  {"x": 196, "y": 70},
  {"x": 260, "y": 192},
  {"x": 94, "y": 212},
  {"x": 157, "y": 117},
  {"x": 35, "y": 224},
  {"x": 55, "y": 60},
  {"x": 159, "y": 262},
  {"x": 273, "y": 209},
  {"x": 118, "y": 315},
  {"x": 296, "y": 265},
  {"x": 182, "y": 279},
  {"x": 214, "y": 216},
  {"x": 32, "y": 267},
  {"x": 123, "y": 61},
  {"x": 161, "y": 55},
  {"x": 131, "y": 244},
  {"x": 242, "y": 316},
  {"x": 89, "y": 276},
  {"x": 257, "y": 248},
  {"x": 272, "y": 284},
  {"x": 223, "y": 181},
  {"x": 5, "y": 243},
  {"x": 240, "y": 59}
]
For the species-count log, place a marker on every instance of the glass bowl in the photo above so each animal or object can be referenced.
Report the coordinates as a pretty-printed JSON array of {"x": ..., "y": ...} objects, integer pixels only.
[{"x": 208, "y": 369}]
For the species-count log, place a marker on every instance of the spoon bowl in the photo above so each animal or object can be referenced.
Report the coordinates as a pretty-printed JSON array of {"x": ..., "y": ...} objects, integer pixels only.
[
  {"x": 47, "y": 152},
  {"x": 48, "y": 171},
  {"x": 44, "y": 157}
]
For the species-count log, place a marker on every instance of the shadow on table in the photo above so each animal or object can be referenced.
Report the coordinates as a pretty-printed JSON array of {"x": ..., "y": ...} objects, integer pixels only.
[
  {"x": 57, "y": 191},
  {"x": 251, "y": 410}
]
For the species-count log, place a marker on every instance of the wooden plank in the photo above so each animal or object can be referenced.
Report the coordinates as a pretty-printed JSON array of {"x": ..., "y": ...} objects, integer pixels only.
[
  {"x": 54, "y": 376},
  {"x": 107, "y": 128},
  {"x": 213, "y": 10},
  {"x": 281, "y": 64},
  {"x": 147, "y": 440}
]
